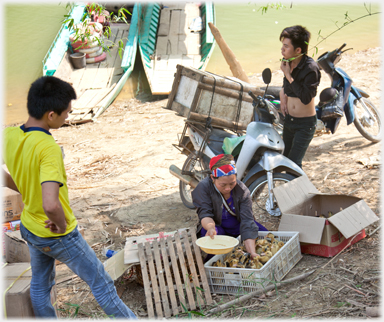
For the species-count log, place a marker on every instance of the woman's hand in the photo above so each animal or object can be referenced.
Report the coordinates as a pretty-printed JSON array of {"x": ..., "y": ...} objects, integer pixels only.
[
  {"x": 209, "y": 225},
  {"x": 250, "y": 247},
  {"x": 211, "y": 232}
]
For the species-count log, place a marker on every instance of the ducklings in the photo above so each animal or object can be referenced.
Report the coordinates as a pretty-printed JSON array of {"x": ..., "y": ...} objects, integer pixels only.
[{"x": 265, "y": 247}]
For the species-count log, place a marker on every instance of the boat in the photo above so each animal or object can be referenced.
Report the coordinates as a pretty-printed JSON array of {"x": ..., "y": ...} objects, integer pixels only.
[
  {"x": 172, "y": 34},
  {"x": 97, "y": 84}
]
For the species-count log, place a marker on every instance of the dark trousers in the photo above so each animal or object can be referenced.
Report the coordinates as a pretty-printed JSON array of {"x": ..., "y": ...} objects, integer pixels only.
[{"x": 297, "y": 134}]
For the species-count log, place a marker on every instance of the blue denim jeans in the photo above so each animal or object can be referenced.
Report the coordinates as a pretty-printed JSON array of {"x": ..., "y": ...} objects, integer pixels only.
[{"x": 73, "y": 251}]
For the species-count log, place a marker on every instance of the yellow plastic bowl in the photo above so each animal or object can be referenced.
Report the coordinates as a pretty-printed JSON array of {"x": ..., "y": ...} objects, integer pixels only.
[{"x": 220, "y": 244}]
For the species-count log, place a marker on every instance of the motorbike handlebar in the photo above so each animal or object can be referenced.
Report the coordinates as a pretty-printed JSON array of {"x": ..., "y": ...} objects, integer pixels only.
[
  {"x": 252, "y": 95},
  {"x": 342, "y": 46}
]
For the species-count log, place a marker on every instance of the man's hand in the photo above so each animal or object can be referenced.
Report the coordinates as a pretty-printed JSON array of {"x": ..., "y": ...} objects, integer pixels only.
[
  {"x": 8, "y": 181},
  {"x": 283, "y": 102},
  {"x": 56, "y": 222},
  {"x": 54, "y": 228},
  {"x": 286, "y": 68}
]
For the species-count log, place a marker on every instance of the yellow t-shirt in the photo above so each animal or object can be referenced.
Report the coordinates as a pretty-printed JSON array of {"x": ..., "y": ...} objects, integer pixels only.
[{"x": 33, "y": 157}]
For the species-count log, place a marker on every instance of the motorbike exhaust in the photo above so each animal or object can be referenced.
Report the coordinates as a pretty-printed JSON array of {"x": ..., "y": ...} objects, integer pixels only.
[{"x": 174, "y": 170}]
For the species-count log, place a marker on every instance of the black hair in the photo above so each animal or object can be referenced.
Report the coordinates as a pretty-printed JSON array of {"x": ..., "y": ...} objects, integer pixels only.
[
  {"x": 299, "y": 36},
  {"x": 49, "y": 93}
]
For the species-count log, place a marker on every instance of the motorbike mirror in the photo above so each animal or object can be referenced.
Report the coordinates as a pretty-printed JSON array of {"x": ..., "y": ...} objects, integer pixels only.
[{"x": 267, "y": 75}]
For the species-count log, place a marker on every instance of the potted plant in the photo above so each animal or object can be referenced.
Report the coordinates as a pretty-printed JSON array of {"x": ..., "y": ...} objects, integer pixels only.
[{"x": 94, "y": 31}]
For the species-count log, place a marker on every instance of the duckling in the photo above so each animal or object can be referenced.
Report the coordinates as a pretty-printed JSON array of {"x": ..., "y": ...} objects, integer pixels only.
[
  {"x": 250, "y": 265},
  {"x": 281, "y": 244},
  {"x": 261, "y": 249},
  {"x": 253, "y": 264},
  {"x": 243, "y": 260},
  {"x": 257, "y": 263},
  {"x": 262, "y": 242},
  {"x": 228, "y": 257},
  {"x": 265, "y": 257},
  {"x": 218, "y": 263},
  {"x": 270, "y": 235},
  {"x": 238, "y": 252},
  {"x": 275, "y": 247},
  {"x": 233, "y": 262}
]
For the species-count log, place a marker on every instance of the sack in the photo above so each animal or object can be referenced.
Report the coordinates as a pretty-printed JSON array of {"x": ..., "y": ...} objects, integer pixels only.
[{"x": 333, "y": 109}]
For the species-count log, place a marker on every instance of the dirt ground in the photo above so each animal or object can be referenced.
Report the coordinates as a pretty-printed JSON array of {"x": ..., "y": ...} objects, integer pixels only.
[{"x": 120, "y": 186}]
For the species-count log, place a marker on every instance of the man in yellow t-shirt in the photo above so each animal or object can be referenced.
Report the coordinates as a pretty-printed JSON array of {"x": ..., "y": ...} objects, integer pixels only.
[{"x": 36, "y": 170}]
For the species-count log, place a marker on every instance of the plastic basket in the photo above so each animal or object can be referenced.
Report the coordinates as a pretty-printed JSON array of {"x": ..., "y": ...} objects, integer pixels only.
[{"x": 240, "y": 281}]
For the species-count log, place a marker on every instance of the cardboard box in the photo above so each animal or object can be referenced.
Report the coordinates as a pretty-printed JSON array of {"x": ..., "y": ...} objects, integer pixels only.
[
  {"x": 7, "y": 227},
  {"x": 301, "y": 204},
  {"x": 16, "y": 248},
  {"x": 17, "y": 299},
  {"x": 12, "y": 205}
]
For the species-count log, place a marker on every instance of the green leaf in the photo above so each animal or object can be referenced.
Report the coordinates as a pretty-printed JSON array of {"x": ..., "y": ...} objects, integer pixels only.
[
  {"x": 197, "y": 313},
  {"x": 123, "y": 9},
  {"x": 340, "y": 304},
  {"x": 185, "y": 309}
]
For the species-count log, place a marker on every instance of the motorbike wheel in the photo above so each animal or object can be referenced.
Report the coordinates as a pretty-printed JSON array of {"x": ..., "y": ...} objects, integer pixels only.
[
  {"x": 259, "y": 195},
  {"x": 368, "y": 125},
  {"x": 191, "y": 165}
]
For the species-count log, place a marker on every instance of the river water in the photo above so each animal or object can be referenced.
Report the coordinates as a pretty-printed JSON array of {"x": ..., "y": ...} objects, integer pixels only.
[{"x": 252, "y": 36}]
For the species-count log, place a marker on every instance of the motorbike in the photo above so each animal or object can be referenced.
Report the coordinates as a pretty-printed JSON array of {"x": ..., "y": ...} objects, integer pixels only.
[
  {"x": 259, "y": 158},
  {"x": 342, "y": 98}
]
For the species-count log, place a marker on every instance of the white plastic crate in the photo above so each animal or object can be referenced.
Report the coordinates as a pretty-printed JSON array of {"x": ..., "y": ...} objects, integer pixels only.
[{"x": 240, "y": 281}]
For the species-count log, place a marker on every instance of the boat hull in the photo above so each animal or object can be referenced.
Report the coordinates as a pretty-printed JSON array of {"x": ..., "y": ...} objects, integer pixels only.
[{"x": 166, "y": 40}]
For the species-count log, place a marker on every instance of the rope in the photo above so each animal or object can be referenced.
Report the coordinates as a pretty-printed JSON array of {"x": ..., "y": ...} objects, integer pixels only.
[
  {"x": 9, "y": 287},
  {"x": 209, "y": 119},
  {"x": 239, "y": 105}
]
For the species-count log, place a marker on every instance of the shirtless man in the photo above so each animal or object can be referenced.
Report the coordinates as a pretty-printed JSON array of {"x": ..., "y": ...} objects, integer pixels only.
[{"x": 297, "y": 97}]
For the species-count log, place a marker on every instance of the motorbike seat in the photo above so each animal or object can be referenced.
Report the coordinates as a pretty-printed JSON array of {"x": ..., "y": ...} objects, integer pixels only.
[{"x": 215, "y": 141}]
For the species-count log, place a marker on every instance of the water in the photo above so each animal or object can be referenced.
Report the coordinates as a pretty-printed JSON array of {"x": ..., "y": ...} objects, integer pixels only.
[
  {"x": 253, "y": 37},
  {"x": 28, "y": 34}
]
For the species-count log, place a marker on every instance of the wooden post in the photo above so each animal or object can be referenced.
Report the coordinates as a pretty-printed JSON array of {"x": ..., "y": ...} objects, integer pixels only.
[{"x": 228, "y": 54}]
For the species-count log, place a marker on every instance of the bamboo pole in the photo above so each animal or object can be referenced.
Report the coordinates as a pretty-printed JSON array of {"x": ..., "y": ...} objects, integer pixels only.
[
  {"x": 221, "y": 82},
  {"x": 216, "y": 121},
  {"x": 226, "y": 92},
  {"x": 252, "y": 294},
  {"x": 228, "y": 54}
]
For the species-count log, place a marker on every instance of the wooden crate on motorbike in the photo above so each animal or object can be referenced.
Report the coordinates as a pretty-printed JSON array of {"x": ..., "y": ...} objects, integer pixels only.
[{"x": 196, "y": 94}]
